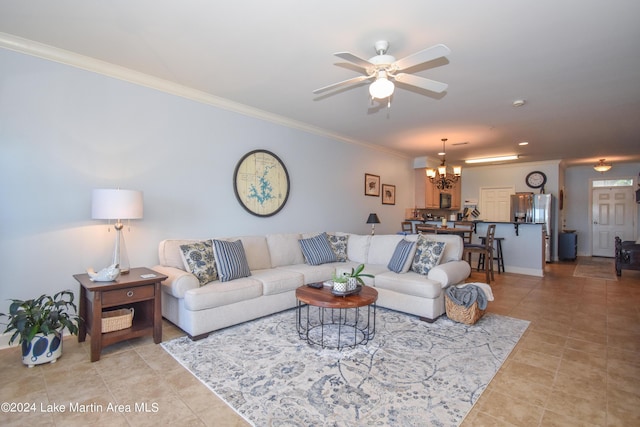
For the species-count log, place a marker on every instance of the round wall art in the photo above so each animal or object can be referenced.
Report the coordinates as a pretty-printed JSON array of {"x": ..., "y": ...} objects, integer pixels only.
[{"x": 261, "y": 183}]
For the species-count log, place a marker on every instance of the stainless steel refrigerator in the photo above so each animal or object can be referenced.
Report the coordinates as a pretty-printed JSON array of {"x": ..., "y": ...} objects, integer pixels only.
[{"x": 537, "y": 209}]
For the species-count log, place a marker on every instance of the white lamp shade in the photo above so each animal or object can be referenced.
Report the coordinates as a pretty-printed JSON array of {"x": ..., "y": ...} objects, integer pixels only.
[
  {"x": 381, "y": 88},
  {"x": 116, "y": 204}
]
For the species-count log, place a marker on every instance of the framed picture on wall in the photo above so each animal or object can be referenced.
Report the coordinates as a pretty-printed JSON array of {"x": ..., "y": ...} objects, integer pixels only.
[
  {"x": 371, "y": 185},
  {"x": 388, "y": 194},
  {"x": 261, "y": 183}
]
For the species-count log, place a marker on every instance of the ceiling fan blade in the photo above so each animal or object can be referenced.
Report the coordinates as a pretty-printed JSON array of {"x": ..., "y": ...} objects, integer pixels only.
[
  {"x": 426, "y": 55},
  {"x": 343, "y": 83},
  {"x": 421, "y": 82},
  {"x": 363, "y": 63}
]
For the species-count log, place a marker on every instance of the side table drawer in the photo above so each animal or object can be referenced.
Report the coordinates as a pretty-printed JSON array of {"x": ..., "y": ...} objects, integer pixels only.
[{"x": 128, "y": 295}]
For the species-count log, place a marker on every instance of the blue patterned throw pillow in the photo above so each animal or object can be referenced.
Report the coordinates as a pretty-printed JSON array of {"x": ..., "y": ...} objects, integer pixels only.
[
  {"x": 339, "y": 246},
  {"x": 317, "y": 250},
  {"x": 198, "y": 259},
  {"x": 428, "y": 254},
  {"x": 230, "y": 260},
  {"x": 404, "y": 250}
]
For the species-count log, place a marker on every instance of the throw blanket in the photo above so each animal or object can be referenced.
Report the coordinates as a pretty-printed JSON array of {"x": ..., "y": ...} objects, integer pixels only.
[{"x": 467, "y": 296}]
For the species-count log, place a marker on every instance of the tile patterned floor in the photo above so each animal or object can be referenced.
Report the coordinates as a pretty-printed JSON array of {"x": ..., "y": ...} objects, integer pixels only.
[{"x": 577, "y": 365}]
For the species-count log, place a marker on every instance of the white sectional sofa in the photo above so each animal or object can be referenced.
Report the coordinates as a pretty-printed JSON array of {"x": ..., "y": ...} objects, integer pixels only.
[{"x": 277, "y": 267}]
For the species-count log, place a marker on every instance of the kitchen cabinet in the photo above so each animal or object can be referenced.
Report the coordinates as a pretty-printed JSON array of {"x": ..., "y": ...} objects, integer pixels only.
[{"x": 432, "y": 195}]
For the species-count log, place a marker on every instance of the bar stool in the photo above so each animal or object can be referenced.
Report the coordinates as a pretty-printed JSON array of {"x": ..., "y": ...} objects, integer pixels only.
[
  {"x": 499, "y": 258},
  {"x": 484, "y": 249}
]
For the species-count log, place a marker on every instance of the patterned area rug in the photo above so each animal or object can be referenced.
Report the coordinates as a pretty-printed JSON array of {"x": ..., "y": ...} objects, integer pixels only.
[
  {"x": 596, "y": 268},
  {"x": 411, "y": 373}
]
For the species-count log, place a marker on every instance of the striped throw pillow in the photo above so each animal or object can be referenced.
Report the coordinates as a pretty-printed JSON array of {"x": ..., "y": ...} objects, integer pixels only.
[
  {"x": 317, "y": 250},
  {"x": 399, "y": 261},
  {"x": 231, "y": 260}
]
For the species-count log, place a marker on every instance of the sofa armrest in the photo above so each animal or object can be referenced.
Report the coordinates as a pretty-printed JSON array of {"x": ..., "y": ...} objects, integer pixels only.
[
  {"x": 178, "y": 281},
  {"x": 450, "y": 273}
]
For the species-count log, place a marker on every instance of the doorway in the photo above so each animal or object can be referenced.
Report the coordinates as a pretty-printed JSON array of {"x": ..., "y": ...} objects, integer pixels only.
[
  {"x": 612, "y": 214},
  {"x": 495, "y": 203}
]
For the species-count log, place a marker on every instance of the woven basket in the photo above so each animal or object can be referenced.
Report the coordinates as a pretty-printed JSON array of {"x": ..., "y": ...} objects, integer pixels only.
[
  {"x": 115, "y": 320},
  {"x": 461, "y": 314}
]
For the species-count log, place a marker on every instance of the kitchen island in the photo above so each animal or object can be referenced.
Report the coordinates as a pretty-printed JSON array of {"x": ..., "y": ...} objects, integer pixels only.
[{"x": 523, "y": 244}]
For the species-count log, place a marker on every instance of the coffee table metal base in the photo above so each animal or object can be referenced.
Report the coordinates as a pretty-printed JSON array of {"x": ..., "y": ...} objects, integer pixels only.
[{"x": 336, "y": 328}]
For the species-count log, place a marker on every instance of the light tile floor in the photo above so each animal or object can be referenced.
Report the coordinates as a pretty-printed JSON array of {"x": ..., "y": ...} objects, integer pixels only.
[{"x": 577, "y": 365}]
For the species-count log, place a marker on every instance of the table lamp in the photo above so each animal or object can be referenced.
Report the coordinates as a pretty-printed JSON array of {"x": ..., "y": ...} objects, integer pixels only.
[
  {"x": 373, "y": 220},
  {"x": 116, "y": 204}
]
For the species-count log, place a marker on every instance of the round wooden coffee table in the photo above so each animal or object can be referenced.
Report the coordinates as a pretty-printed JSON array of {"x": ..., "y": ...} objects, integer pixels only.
[{"x": 331, "y": 321}]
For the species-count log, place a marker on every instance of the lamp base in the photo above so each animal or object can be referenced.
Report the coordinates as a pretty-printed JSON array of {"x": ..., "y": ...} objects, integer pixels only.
[{"x": 120, "y": 255}]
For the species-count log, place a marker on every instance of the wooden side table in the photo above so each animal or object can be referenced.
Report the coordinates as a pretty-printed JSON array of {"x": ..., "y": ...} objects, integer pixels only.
[{"x": 143, "y": 294}]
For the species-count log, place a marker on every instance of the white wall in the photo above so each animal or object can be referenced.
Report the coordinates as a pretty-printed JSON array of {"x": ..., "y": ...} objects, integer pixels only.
[{"x": 65, "y": 131}]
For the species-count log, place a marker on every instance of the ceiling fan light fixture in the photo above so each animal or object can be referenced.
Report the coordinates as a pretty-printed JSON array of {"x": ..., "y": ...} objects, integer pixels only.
[
  {"x": 382, "y": 87},
  {"x": 493, "y": 159},
  {"x": 601, "y": 166}
]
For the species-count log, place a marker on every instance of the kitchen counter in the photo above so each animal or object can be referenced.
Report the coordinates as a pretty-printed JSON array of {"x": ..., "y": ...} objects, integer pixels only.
[{"x": 523, "y": 247}]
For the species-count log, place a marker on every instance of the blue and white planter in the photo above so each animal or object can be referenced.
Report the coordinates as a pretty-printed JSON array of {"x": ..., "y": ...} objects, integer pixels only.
[{"x": 42, "y": 349}]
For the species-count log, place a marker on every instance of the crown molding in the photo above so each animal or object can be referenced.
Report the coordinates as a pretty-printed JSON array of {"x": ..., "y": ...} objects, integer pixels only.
[{"x": 40, "y": 50}]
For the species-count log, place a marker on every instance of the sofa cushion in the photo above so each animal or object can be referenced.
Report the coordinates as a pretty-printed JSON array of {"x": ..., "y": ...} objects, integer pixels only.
[
  {"x": 199, "y": 261},
  {"x": 339, "y": 246},
  {"x": 317, "y": 250},
  {"x": 358, "y": 248},
  {"x": 285, "y": 249},
  {"x": 256, "y": 251},
  {"x": 218, "y": 294},
  {"x": 427, "y": 256},
  {"x": 169, "y": 252},
  {"x": 402, "y": 257},
  {"x": 276, "y": 280},
  {"x": 312, "y": 273},
  {"x": 381, "y": 248},
  {"x": 231, "y": 260},
  {"x": 411, "y": 283}
]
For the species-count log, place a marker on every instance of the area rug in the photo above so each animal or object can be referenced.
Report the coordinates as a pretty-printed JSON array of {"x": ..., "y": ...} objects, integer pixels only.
[
  {"x": 596, "y": 268},
  {"x": 412, "y": 373}
]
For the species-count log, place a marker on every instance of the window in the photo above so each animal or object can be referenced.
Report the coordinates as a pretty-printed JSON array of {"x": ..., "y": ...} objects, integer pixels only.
[{"x": 627, "y": 182}]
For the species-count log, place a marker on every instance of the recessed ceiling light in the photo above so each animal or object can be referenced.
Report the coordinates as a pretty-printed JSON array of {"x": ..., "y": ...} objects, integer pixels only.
[
  {"x": 519, "y": 102},
  {"x": 523, "y": 143},
  {"x": 493, "y": 159}
]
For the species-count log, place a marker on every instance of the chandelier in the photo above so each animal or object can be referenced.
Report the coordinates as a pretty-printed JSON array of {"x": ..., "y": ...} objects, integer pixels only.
[
  {"x": 440, "y": 177},
  {"x": 601, "y": 166}
]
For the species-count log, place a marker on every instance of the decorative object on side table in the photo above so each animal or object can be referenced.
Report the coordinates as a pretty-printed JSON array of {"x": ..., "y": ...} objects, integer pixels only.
[
  {"x": 107, "y": 274},
  {"x": 38, "y": 324},
  {"x": 261, "y": 183},
  {"x": 117, "y": 205}
]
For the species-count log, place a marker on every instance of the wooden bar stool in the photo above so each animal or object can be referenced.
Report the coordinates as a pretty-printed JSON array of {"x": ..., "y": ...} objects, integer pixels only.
[
  {"x": 498, "y": 257},
  {"x": 486, "y": 250}
]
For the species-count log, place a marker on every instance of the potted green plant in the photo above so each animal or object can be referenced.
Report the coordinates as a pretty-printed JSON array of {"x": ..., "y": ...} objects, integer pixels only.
[
  {"x": 38, "y": 325},
  {"x": 357, "y": 274},
  {"x": 348, "y": 281}
]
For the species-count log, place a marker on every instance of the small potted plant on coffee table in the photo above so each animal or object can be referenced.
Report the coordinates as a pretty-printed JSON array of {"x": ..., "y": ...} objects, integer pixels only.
[
  {"x": 38, "y": 324},
  {"x": 357, "y": 274}
]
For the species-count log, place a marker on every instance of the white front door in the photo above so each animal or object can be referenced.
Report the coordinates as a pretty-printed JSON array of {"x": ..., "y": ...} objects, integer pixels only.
[
  {"x": 612, "y": 215},
  {"x": 495, "y": 203}
]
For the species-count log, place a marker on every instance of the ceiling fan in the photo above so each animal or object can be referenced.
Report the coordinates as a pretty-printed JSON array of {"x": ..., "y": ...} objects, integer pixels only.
[{"x": 385, "y": 68}]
